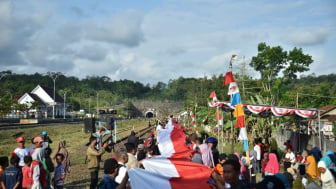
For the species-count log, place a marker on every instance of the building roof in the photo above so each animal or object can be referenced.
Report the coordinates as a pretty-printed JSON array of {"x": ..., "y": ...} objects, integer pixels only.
[
  {"x": 50, "y": 92},
  {"x": 327, "y": 109},
  {"x": 330, "y": 118},
  {"x": 36, "y": 98}
]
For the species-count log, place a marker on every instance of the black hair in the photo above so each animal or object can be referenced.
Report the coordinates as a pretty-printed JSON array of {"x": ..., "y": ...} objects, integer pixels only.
[
  {"x": 234, "y": 163},
  {"x": 222, "y": 157},
  {"x": 129, "y": 147},
  {"x": 60, "y": 155},
  {"x": 14, "y": 160},
  {"x": 27, "y": 159},
  {"x": 110, "y": 165},
  {"x": 233, "y": 157}
]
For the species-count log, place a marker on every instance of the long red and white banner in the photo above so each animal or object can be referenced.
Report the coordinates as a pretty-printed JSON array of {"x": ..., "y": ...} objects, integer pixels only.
[
  {"x": 276, "y": 111},
  {"x": 173, "y": 169}
]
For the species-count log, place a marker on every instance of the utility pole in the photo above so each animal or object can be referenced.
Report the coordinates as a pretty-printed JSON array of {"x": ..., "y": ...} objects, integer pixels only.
[
  {"x": 53, "y": 76},
  {"x": 64, "y": 105}
]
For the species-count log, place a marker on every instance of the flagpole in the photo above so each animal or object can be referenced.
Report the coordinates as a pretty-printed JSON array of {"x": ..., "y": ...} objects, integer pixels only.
[{"x": 232, "y": 135}]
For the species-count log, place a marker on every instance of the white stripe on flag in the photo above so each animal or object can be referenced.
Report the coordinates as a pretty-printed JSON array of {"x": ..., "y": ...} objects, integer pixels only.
[
  {"x": 142, "y": 179},
  {"x": 165, "y": 145},
  {"x": 242, "y": 134},
  {"x": 158, "y": 164}
]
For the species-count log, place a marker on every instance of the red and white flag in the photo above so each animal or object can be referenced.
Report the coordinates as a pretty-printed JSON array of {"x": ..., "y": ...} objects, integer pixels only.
[
  {"x": 164, "y": 173},
  {"x": 172, "y": 142},
  {"x": 173, "y": 169}
]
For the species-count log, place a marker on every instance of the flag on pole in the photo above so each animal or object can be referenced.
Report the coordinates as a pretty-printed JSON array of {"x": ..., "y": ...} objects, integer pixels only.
[{"x": 233, "y": 91}]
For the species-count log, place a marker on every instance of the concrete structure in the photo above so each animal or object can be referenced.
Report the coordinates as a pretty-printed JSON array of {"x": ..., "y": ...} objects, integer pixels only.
[{"x": 39, "y": 103}]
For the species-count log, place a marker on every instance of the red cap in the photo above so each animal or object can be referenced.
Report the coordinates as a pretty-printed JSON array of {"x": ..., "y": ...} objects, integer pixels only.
[
  {"x": 37, "y": 139},
  {"x": 20, "y": 139}
]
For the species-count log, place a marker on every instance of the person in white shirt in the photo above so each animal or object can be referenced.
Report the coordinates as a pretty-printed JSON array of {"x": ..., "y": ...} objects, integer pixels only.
[
  {"x": 21, "y": 151},
  {"x": 122, "y": 159},
  {"x": 131, "y": 151},
  {"x": 257, "y": 149},
  {"x": 289, "y": 159}
]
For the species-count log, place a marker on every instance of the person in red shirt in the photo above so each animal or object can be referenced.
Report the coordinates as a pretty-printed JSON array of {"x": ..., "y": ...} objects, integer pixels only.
[{"x": 27, "y": 179}]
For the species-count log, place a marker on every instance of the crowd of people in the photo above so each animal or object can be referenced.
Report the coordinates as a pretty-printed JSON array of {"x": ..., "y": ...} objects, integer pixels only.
[
  {"x": 228, "y": 170},
  {"x": 33, "y": 167},
  {"x": 262, "y": 167}
]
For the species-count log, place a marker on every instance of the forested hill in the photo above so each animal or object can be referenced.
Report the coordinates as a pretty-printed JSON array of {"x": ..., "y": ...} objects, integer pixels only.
[{"x": 308, "y": 91}]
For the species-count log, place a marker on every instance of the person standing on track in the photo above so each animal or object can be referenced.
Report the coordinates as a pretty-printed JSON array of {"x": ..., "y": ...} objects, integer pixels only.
[{"x": 93, "y": 161}]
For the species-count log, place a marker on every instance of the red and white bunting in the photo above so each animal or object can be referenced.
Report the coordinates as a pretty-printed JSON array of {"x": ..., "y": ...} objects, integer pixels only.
[
  {"x": 281, "y": 111},
  {"x": 218, "y": 103},
  {"x": 305, "y": 113},
  {"x": 257, "y": 109}
]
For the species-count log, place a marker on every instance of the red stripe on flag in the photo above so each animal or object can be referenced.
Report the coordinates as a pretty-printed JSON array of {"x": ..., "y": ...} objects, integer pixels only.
[
  {"x": 228, "y": 78},
  {"x": 178, "y": 138},
  {"x": 213, "y": 94},
  {"x": 192, "y": 175},
  {"x": 240, "y": 123}
]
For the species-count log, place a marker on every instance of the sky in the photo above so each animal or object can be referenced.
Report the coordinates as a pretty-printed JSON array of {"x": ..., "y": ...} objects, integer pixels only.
[{"x": 154, "y": 41}]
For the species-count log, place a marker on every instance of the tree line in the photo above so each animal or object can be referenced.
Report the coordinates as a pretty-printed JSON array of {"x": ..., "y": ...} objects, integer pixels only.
[{"x": 279, "y": 84}]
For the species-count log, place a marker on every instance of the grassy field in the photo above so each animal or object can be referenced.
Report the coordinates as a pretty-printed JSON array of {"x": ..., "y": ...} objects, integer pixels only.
[{"x": 76, "y": 140}]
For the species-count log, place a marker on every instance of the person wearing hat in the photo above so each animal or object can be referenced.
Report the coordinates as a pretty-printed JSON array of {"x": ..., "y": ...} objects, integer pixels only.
[
  {"x": 46, "y": 139},
  {"x": 212, "y": 143},
  {"x": 93, "y": 162},
  {"x": 21, "y": 151},
  {"x": 39, "y": 174},
  {"x": 141, "y": 153},
  {"x": 111, "y": 171}
]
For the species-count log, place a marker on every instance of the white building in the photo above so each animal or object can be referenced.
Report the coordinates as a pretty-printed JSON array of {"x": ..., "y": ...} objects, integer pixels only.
[{"x": 42, "y": 97}]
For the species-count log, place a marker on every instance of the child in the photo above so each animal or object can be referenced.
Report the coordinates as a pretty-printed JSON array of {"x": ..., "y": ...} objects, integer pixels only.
[
  {"x": 3, "y": 165},
  {"x": 27, "y": 179},
  {"x": 12, "y": 176},
  {"x": 59, "y": 175}
]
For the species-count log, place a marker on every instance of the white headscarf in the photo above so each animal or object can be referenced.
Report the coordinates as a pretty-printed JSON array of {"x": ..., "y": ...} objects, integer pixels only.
[{"x": 326, "y": 176}]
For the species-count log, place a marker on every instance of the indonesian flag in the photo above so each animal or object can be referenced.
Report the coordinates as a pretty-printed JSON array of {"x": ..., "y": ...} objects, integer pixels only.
[
  {"x": 165, "y": 173},
  {"x": 171, "y": 170},
  {"x": 219, "y": 117},
  {"x": 172, "y": 142},
  {"x": 213, "y": 96}
]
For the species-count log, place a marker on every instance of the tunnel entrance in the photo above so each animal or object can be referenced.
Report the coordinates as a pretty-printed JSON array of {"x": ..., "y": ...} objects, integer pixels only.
[{"x": 149, "y": 114}]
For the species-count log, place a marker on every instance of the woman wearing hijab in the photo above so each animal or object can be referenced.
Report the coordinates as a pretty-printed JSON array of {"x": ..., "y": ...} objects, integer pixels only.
[
  {"x": 311, "y": 167},
  {"x": 326, "y": 178},
  {"x": 273, "y": 166},
  {"x": 207, "y": 157},
  {"x": 264, "y": 162},
  {"x": 62, "y": 150}
]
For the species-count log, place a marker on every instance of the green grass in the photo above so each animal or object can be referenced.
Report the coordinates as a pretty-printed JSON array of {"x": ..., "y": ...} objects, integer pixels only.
[{"x": 76, "y": 140}]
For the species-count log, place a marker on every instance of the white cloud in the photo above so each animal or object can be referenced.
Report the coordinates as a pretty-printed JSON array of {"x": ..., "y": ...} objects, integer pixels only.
[{"x": 307, "y": 37}]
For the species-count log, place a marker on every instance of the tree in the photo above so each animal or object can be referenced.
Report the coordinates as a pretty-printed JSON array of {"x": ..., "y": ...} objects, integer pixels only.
[{"x": 274, "y": 61}]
